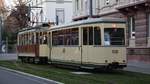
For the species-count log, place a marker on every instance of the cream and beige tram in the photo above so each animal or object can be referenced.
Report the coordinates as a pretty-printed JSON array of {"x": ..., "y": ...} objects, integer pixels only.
[
  {"x": 91, "y": 43},
  {"x": 32, "y": 44}
]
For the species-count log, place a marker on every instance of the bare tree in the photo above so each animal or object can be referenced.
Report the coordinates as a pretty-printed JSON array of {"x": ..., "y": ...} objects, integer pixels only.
[{"x": 18, "y": 17}]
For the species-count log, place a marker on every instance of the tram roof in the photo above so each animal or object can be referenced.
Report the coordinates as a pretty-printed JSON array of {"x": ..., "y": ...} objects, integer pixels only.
[
  {"x": 90, "y": 21},
  {"x": 32, "y": 29}
]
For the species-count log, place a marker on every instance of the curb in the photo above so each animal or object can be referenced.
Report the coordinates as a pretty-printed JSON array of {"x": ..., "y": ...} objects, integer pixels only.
[{"x": 31, "y": 75}]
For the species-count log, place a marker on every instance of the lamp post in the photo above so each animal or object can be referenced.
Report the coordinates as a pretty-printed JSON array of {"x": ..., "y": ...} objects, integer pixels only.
[{"x": 0, "y": 30}]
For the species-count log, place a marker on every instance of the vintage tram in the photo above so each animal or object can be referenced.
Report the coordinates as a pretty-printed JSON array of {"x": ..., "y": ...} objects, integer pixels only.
[
  {"x": 32, "y": 44},
  {"x": 91, "y": 43}
]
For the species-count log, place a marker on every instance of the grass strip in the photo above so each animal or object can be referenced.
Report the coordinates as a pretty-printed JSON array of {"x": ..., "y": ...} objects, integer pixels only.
[{"x": 65, "y": 75}]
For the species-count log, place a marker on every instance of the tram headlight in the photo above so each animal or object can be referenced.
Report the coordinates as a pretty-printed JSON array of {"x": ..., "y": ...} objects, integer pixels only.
[{"x": 106, "y": 61}]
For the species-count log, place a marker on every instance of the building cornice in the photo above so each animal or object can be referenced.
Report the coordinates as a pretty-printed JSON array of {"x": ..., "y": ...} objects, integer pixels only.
[{"x": 65, "y": 1}]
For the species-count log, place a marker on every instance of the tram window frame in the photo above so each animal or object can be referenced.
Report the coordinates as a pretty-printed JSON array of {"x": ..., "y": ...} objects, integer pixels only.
[{"x": 111, "y": 37}]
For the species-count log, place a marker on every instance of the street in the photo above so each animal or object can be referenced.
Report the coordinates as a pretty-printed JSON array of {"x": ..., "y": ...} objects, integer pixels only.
[
  {"x": 8, "y": 77},
  {"x": 138, "y": 67},
  {"x": 4, "y": 56}
]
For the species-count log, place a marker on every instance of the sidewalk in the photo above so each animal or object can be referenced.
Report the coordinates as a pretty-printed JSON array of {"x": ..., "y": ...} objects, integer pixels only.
[
  {"x": 10, "y": 56},
  {"x": 138, "y": 67}
]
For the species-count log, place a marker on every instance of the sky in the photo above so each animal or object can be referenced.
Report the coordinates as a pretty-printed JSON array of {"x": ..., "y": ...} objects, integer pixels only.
[{"x": 9, "y": 2}]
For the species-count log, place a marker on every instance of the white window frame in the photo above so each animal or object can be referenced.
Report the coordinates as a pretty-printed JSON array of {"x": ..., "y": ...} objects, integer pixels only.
[{"x": 63, "y": 17}]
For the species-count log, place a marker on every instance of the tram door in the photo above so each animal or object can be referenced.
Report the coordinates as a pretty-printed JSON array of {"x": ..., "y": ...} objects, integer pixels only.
[
  {"x": 91, "y": 45},
  {"x": 49, "y": 45}
]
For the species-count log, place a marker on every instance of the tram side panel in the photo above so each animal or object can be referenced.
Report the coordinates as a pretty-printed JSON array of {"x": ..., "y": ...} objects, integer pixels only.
[
  {"x": 27, "y": 51},
  {"x": 44, "y": 52},
  {"x": 66, "y": 51},
  {"x": 110, "y": 52},
  {"x": 66, "y": 54},
  {"x": 104, "y": 56},
  {"x": 32, "y": 46}
]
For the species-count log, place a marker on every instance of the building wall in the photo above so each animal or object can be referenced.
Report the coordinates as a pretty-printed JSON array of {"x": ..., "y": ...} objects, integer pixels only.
[
  {"x": 100, "y": 7},
  {"x": 51, "y": 7},
  {"x": 47, "y": 10},
  {"x": 138, "y": 39}
]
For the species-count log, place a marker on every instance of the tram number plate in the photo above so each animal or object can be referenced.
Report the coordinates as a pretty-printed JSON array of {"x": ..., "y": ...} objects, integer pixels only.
[{"x": 115, "y": 51}]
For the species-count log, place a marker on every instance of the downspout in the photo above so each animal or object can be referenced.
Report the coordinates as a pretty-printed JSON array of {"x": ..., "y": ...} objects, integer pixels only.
[{"x": 90, "y": 9}]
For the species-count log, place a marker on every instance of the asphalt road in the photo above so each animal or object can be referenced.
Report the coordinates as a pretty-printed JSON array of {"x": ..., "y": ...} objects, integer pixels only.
[
  {"x": 138, "y": 67},
  {"x": 8, "y": 77}
]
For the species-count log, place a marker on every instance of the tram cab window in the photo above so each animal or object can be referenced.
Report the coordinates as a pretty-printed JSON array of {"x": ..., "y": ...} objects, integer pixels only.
[
  {"x": 106, "y": 38},
  {"x": 114, "y": 36}
]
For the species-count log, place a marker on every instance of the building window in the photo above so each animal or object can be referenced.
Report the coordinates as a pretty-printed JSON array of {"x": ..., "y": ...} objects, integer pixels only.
[
  {"x": 60, "y": 1},
  {"x": 107, "y": 2},
  {"x": 86, "y": 5},
  {"x": 131, "y": 26},
  {"x": 60, "y": 16},
  {"x": 77, "y": 5}
]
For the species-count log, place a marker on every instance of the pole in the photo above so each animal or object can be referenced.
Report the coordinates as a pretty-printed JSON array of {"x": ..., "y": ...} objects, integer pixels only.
[
  {"x": 90, "y": 8},
  {"x": 6, "y": 44},
  {"x": 29, "y": 12}
]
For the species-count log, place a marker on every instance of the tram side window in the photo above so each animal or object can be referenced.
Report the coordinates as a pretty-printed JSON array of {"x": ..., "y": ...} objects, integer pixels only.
[
  {"x": 74, "y": 36},
  {"x": 45, "y": 39},
  {"x": 41, "y": 38},
  {"x": 65, "y": 37},
  {"x": 88, "y": 36},
  {"x": 97, "y": 36},
  {"x": 32, "y": 39},
  {"x": 60, "y": 38},
  {"x": 85, "y": 35},
  {"x": 114, "y": 36},
  {"x": 55, "y": 38},
  {"x": 37, "y": 38}
]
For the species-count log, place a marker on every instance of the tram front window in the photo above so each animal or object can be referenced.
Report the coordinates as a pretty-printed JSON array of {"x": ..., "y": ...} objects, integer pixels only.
[{"x": 114, "y": 36}]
